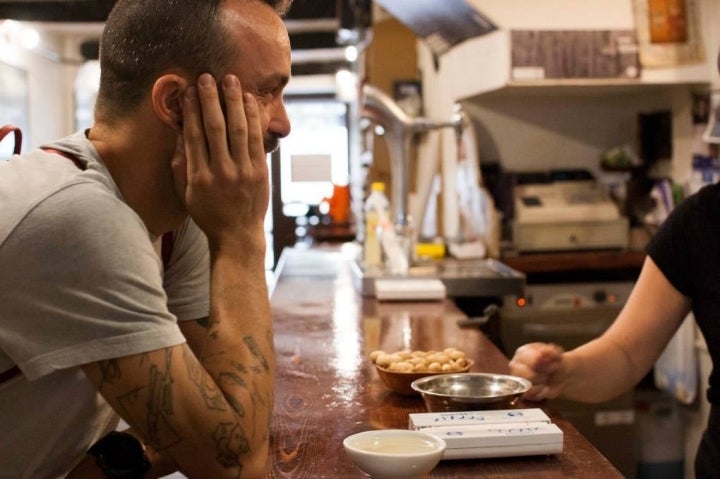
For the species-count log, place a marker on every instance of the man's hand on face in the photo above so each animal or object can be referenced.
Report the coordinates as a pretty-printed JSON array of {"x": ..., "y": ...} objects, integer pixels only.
[{"x": 220, "y": 166}]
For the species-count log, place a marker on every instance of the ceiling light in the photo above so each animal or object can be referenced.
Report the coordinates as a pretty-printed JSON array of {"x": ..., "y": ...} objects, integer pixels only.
[
  {"x": 19, "y": 34},
  {"x": 28, "y": 38},
  {"x": 351, "y": 53}
]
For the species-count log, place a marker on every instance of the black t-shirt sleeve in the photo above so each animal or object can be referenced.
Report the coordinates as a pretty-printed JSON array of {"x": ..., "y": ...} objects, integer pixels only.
[
  {"x": 669, "y": 247},
  {"x": 686, "y": 247}
]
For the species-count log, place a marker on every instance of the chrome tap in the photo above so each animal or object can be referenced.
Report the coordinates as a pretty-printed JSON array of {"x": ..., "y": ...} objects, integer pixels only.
[{"x": 400, "y": 130}]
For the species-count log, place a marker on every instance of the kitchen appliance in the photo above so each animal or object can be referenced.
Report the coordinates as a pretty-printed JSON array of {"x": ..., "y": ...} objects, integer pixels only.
[
  {"x": 567, "y": 215},
  {"x": 571, "y": 314}
]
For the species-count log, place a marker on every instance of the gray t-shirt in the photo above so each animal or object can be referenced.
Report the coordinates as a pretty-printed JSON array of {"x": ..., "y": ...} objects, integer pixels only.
[{"x": 81, "y": 280}]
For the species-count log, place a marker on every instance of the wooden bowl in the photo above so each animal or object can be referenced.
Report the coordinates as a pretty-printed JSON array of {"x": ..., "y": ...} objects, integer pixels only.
[{"x": 400, "y": 382}]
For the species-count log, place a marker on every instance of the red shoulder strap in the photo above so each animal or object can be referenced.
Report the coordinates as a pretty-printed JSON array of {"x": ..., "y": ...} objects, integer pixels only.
[
  {"x": 69, "y": 156},
  {"x": 6, "y": 130}
]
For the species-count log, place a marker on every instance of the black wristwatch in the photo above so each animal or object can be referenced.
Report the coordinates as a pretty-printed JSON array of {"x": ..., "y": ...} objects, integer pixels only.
[{"x": 121, "y": 455}]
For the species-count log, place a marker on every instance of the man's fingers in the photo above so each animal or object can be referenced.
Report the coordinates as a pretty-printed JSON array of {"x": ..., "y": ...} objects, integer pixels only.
[
  {"x": 213, "y": 120},
  {"x": 244, "y": 131},
  {"x": 194, "y": 134},
  {"x": 237, "y": 122},
  {"x": 255, "y": 133},
  {"x": 243, "y": 120}
]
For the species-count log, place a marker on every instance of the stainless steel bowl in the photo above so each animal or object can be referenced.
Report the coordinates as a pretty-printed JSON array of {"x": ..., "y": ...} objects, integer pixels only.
[{"x": 470, "y": 391}]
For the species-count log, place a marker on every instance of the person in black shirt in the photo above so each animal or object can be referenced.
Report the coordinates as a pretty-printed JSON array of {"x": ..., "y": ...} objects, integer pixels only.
[{"x": 681, "y": 273}]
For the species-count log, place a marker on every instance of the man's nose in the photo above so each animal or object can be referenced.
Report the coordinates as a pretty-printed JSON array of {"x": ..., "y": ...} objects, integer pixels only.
[{"x": 279, "y": 121}]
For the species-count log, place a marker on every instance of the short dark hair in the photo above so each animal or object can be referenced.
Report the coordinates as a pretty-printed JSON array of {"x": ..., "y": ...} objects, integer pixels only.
[{"x": 143, "y": 38}]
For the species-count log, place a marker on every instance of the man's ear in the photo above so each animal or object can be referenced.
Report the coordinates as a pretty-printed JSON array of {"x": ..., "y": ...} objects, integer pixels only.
[{"x": 167, "y": 95}]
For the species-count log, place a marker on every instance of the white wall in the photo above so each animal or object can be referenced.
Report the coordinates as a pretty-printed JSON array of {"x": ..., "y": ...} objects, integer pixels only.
[
  {"x": 49, "y": 86},
  {"x": 540, "y": 129}
]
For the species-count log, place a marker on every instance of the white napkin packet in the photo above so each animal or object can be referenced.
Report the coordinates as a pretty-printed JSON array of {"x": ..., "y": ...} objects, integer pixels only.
[
  {"x": 486, "y": 434},
  {"x": 468, "y": 418},
  {"x": 409, "y": 289},
  {"x": 500, "y": 440}
]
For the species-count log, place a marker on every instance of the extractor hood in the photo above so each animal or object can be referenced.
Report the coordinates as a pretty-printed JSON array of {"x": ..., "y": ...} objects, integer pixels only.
[{"x": 442, "y": 24}]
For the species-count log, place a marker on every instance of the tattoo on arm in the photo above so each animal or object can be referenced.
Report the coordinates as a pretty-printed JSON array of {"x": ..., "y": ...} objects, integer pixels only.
[
  {"x": 109, "y": 372},
  {"x": 234, "y": 379},
  {"x": 230, "y": 442},
  {"x": 255, "y": 350},
  {"x": 211, "y": 395},
  {"x": 160, "y": 405},
  {"x": 208, "y": 323}
]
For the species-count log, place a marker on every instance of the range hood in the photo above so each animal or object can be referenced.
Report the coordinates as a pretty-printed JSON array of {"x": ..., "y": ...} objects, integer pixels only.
[
  {"x": 474, "y": 44},
  {"x": 441, "y": 24}
]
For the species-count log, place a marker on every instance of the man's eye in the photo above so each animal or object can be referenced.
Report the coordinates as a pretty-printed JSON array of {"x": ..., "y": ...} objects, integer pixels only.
[{"x": 266, "y": 93}]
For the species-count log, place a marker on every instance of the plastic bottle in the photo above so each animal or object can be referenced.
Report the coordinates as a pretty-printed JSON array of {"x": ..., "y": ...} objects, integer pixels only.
[{"x": 377, "y": 214}]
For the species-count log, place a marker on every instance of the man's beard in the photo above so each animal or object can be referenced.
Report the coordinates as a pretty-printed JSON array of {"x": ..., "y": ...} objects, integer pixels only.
[{"x": 271, "y": 143}]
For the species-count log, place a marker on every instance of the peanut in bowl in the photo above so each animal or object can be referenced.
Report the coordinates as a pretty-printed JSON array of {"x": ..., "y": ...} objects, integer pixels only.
[{"x": 399, "y": 369}]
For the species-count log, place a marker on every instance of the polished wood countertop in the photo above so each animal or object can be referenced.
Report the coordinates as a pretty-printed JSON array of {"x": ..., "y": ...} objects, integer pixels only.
[{"x": 327, "y": 389}]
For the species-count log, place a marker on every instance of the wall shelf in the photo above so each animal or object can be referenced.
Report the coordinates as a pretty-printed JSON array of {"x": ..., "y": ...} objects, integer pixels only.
[{"x": 588, "y": 87}]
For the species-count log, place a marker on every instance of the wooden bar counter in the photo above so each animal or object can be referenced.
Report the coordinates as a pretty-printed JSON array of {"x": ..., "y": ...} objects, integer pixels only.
[{"x": 328, "y": 389}]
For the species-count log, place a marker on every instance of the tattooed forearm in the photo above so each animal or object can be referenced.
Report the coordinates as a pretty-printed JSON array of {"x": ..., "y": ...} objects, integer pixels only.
[
  {"x": 230, "y": 442},
  {"x": 160, "y": 401},
  {"x": 255, "y": 350},
  {"x": 237, "y": 406},
  {"x": 238, "y": 367},
  {"x": 129, "y": 400},
  {"x": 208, "y": 324},
  {"x": 211, "y": 395},
  {"x": 158, "y": 431},
  {"x": 230, "y": 378},
  {"x": 233, "y": 379}
]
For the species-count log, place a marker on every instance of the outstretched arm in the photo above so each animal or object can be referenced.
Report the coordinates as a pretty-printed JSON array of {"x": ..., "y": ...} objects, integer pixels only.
[{"x": 613, "y": 363}]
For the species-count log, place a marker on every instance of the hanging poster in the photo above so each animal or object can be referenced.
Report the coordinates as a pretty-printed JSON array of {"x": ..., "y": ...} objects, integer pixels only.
[{"x": 668, "y": 32}]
